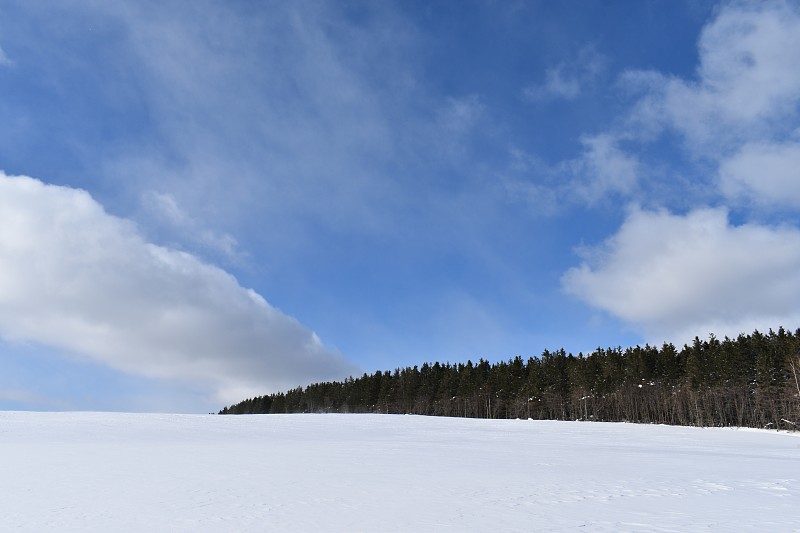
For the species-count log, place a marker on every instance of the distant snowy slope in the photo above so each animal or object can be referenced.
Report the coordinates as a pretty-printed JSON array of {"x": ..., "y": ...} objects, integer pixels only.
[{"x": 147, "y": 472}]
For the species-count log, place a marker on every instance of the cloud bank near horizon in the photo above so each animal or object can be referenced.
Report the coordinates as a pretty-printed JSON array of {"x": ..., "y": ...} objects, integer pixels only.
[
  {"x": 75, "y": 278},
  {"x": 677, "y": 276}
]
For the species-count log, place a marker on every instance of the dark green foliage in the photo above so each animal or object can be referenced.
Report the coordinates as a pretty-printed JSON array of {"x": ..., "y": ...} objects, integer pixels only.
[{"x": 747, "y": 381}]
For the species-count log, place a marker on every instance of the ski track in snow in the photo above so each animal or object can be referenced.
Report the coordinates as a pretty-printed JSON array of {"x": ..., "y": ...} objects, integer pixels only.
[{"x": 151, "y": 472}]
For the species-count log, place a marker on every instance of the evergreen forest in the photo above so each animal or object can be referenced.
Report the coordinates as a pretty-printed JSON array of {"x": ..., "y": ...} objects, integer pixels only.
[{"x": 750, "y": 381}]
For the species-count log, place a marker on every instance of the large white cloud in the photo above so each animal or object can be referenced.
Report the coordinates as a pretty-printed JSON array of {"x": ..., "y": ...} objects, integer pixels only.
[
  {"x": 747, "y": 82},
  {"x": 676, "y": 276},
  {"x": 76, "y": 278}
]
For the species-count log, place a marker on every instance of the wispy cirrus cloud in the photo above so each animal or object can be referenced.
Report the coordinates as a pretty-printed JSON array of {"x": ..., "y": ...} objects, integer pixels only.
[
  {"x": 5, "y": 61},
  {"x": 459, "y": 115},
  {"x": 228, "y": 104},
  {"x": 603, "y": 169},
  {"x": 286, "y": 114},
  {"x": 603, "y": 172},
  {"x": 556, "y": 85},
  {"x": 165, "y": 209},
  {"x": 568, "y": 80}
]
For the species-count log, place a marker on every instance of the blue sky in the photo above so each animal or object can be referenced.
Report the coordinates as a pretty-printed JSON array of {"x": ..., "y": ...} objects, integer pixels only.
[{"x": 204, "y": 201}]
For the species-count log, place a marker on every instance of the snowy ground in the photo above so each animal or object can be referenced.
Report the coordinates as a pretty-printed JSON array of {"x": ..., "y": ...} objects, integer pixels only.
[{"x": 146, "y": 472}]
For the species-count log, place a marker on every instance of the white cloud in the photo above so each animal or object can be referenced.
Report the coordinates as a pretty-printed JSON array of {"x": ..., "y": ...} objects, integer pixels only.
[
  {"x": 674, "y": 277},
  {"x": 603, "y": 169},
  {"x": 75, "y": 278},
  {"x": 670, "y": 276},
  {"x": 747, "y": 82},
  {"x": 740, "y": 113},
  {"x": 745, "y": 69},
  {"x": 764, "y": 173}
]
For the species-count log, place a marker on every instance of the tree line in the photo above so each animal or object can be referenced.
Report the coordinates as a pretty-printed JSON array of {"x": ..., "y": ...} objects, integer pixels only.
[{"x": 751, "y": 381}]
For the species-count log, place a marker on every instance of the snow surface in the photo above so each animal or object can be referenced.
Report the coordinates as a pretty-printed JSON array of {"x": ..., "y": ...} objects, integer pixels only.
[{"x": 147, "y": 472}]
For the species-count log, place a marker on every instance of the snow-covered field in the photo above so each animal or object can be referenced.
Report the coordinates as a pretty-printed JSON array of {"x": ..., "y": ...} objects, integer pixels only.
[{"x": 146, "y": 472}]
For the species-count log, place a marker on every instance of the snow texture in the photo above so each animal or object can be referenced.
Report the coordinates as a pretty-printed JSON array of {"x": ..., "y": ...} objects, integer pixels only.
[{"x": 147, "y": 472}]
